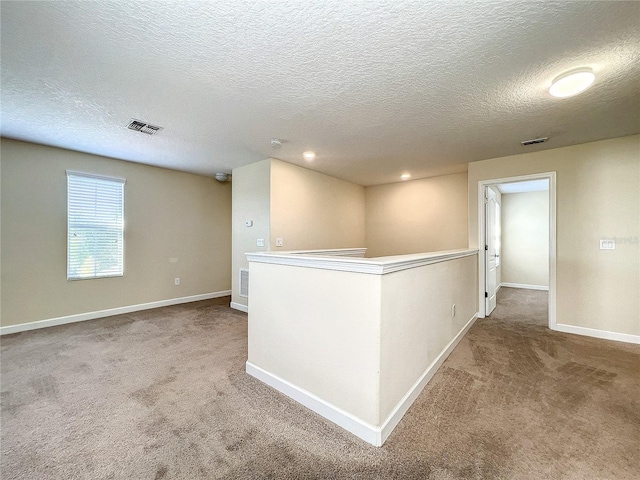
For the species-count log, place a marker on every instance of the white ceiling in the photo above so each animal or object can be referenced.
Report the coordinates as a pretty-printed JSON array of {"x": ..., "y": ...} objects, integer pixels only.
[{"x": 376, "y": 88}]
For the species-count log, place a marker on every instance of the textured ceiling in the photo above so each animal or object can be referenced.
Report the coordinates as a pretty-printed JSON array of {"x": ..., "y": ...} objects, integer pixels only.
[{"x": 375, "y": 88}]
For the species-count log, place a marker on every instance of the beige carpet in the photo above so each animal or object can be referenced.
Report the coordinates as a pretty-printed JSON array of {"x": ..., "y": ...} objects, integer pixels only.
[{"x": 162, "y": 394}]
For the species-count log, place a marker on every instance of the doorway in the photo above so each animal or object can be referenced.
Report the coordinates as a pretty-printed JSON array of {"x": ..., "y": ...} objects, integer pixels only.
[{"x": 489, "y": 238}]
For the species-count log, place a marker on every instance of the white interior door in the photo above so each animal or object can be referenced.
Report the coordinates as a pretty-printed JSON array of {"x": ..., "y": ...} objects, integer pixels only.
[{"x": 490, "y": 250}]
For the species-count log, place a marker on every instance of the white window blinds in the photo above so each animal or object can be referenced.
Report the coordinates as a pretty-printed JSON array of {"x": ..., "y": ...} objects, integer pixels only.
[{"x": 95, "y": 226}]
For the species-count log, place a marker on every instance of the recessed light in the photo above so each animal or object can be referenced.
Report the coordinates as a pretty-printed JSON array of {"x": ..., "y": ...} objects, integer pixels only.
[
  {"x": 572, "y": 83},
  {"x": 405, "y": 176},
  {"x": 309, "y": 155}
]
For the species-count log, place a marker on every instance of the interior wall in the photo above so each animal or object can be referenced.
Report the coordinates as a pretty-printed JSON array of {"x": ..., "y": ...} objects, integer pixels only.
[
  {"x": 307, "y": 209},
  {"x": 251, "y": 202},
  {"x": 310, "y": 210},
  {"x": 424, "y": 215},
  {"x": 525, "y": 238},
  {"x": 598, "y": 196},
  {"x": 176, "y": 225}
]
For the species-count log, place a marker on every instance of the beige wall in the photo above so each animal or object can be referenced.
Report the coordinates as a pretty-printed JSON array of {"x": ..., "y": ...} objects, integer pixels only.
[
  {"x": 425, "y": 215},
  {"x": 251, "y": 192},
  {"x": 310, "y": 210},
  {"x": 417, "y": 324},
  {"x": 362, "y": 343},
  {"x": 598, "y": 196},
  {"x": 319, "y": 330},
  {"x": 176, "y": 225},
  {"x": 525, "y": 238},
  {"x": 307, "y": 209}
]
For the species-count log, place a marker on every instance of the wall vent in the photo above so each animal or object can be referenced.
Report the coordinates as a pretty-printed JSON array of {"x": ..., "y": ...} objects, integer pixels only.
[
  {"x": 534, "y": 141},
  {"x": 244, "y": 282},
  {"x": 143, "y": 127}
]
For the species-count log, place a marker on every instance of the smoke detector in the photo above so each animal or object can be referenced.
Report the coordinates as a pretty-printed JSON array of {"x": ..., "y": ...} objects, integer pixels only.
[
  {"x": 222, "y": 177},
  {"x": 276, "y": 142},
  {"x": 143, "y": 127}
]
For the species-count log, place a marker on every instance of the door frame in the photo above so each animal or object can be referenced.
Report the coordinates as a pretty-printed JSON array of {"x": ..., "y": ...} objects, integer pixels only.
[{"x": 482, "y": 184}]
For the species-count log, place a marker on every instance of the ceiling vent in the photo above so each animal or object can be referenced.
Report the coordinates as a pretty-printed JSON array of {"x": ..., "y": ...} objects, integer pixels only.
[
  {"x": 143, "y": 127},
  {"x": 534, "y": 141}
]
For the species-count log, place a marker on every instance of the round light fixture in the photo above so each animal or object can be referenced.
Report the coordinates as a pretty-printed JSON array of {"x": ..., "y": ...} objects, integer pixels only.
[
  {"x": 572, "y": 83},
  {"x": 309, "y": 155},
  {"x": 405, "y": 176}
]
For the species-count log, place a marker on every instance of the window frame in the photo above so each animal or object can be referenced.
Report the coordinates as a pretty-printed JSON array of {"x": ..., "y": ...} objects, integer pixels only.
[{"x": 117, "y": 183}]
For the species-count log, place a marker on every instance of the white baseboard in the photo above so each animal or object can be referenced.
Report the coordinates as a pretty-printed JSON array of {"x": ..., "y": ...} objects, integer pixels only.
[
  {"x": 524, "y": 285},
  {"x": 369, "y": 433},
  {"x": 405, "y": 403},
  {"x": 349, "y": 422},
  {"x": 239, "y": 306},
  {"x": 593, "y": 332},
  {"x": 81, "y": 317}
]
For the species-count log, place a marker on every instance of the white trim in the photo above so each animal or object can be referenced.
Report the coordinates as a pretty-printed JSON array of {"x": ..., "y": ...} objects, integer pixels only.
[
  {"x": 405, "y": 403},
  {"x": 369, "y": 433},
  {"x": 373, "y": 266},
  {"x": 593, "y": 332},
  {"x": 334, "y": 252},
  {"x": 96, "y": 176},
  {"x": 81, "y": 317},
  {"x": 359, "y": 428},
  {"x": 239, "y": 306},
  {"x": 551, "y": 176},
  {"x": 524, "y": 285}
]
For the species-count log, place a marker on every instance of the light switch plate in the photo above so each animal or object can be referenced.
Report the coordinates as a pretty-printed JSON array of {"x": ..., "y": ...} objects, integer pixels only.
[{"x": 260, "y": 242}]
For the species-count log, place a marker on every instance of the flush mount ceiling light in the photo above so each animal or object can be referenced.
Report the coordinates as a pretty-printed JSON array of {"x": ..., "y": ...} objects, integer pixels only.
[
  {"x": 572, "y": 83},
  {"x": 405, "y": 176},
  {"x": 309, "y": 155}
]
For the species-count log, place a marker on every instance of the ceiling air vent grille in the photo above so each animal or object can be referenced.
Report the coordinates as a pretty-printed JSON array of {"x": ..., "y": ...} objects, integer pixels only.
[
  {"x": 534, "y": 141},
  {"x": 143, "y": 127}
]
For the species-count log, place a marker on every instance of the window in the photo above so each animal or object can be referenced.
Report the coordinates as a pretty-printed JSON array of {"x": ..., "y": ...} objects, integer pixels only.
[{"x": 95, "y": 226}]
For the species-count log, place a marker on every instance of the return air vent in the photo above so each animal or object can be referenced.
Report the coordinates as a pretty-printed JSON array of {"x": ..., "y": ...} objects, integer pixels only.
[
  {"x": 244, "y": 282},
  {"x": 143, "y": 127},
  {"x": 534, "y": 141}
]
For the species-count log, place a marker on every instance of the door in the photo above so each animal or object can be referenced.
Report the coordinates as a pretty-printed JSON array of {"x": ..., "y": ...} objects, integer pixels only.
[{"x": 490, "y": 249}]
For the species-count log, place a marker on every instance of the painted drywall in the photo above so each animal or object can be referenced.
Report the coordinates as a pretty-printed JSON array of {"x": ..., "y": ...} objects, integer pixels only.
[
  {"x": 598, "y": 196},
  {"x": 354, "y": 345},
  {"x": 525, "y": 238},
  {"x": 176, "y": 225},
  {"x": 319, "y": 330},
  {"x": 424, "y": 215},
  {"x": 307, "y": 209},
  {"x": 251, "y": 186},
  {"x": 310, "y": 210},
  {"x": 417, "y": 324}
]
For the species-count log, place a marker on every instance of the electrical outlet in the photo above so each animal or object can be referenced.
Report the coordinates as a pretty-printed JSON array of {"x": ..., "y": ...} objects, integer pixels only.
[
  {"x": 606, "y": 244},
  {"x": 453, "y": 310},
  {"x": 279, "y": 242},
  {"x": 176, "y": 281}
]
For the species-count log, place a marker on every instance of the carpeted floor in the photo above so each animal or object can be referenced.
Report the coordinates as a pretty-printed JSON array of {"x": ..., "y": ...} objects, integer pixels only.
[{"x": 162, "y": 394}]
